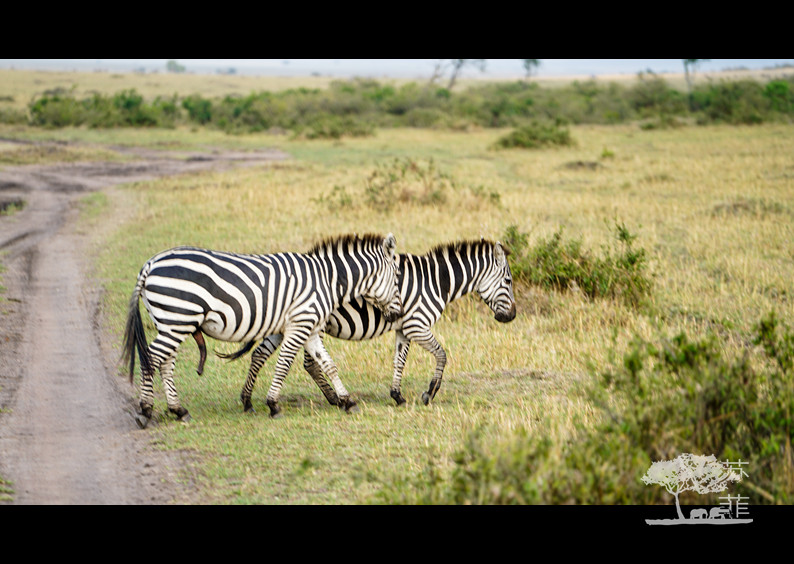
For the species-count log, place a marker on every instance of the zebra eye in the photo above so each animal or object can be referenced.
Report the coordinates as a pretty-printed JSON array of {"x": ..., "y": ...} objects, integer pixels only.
[{"x": 507, "y": 280}]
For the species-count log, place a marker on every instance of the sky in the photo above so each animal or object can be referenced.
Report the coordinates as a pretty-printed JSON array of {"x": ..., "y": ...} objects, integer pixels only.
[{"x": 392, "y": 68}]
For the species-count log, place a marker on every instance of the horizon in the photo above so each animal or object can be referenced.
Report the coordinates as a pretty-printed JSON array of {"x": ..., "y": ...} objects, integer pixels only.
[{"x": 392, "y": 68}]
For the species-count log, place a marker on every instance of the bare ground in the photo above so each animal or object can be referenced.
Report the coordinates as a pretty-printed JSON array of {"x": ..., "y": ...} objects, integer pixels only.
[{"x": 67, "y": 435}]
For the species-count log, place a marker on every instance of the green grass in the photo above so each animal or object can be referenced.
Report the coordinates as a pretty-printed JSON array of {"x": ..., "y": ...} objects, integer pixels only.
[
  {"x": 711, "y": 270},
  {"x": 6, "y": 490}
]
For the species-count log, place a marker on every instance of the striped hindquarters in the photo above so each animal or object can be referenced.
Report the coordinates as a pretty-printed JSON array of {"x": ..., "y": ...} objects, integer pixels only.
[{"x": 228, "y": 296}]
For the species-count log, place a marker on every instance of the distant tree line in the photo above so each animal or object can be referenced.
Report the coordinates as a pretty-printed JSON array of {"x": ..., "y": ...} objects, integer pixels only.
[{"x": 358, "y": 106}]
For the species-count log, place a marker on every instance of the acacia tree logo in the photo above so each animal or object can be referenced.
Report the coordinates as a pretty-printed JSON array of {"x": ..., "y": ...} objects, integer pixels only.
[{"x": 700, "y": 474}]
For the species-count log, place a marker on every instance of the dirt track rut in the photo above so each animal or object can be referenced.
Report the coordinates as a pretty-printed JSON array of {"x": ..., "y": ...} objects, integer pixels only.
[{"x": 66, "y": 431}]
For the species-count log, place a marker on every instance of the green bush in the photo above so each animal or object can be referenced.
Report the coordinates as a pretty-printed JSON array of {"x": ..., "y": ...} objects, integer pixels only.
[
  {"x": 56, "y": 111},
  {"x": 406, "y": 180},
  {"x": 535, "y": 135},
  {"x": 329, "y": 126},
  {"x": 660, "y": 400},
  {"x": 737, "y": 102},
  {"x": 780, "y": 94},
  {"x": 356, "y": 107},
  {"x": 199, "y": 109},
  {"x": 555, "y": 263},
  {"x": 126, "y": 108},
  {"x": 652, "y": 97}
]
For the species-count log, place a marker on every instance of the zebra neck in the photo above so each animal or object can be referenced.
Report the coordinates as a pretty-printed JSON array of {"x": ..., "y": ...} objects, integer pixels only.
[
  {"x": 346, "y": 277},
  {"x": 456, "y": 272}
]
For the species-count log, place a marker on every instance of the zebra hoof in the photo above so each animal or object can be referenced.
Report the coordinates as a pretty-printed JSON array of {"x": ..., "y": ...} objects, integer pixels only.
[
  {"x": 351, "y": 407},
  {"x": 425, "y": 398},
  {"x": 142, "y": 420},
  {"x": 275, "y": 410},
  {"x": 397, "y": 397},
  {"x": 186, "y": 418},
  {"x": 348, "y": 405}
]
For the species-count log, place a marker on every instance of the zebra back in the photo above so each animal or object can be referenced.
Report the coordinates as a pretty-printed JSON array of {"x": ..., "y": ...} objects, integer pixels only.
[
  {"x": 431, "y": 281},
  {"x": 237, "y": 297}
]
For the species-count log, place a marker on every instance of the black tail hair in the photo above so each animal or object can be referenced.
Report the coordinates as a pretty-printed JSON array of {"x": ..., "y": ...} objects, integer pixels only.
[
  {"x": 237, "y": 354},
  {"x": 135, "y": 337}
]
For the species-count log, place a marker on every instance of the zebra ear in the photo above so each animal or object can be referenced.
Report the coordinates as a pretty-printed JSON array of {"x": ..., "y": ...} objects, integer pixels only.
[
  {"x": 389, "y": 245},
  {"x": 500, "y": 253}
]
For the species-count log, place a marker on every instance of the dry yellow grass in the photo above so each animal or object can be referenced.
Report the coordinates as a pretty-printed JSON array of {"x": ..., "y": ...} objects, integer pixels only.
[{"x": 712, "y": 207}]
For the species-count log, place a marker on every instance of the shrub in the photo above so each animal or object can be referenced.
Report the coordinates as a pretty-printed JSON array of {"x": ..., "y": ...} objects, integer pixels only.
[
  {"x": 652, "y": 97},
  {"x": 133, "y": 110},
  {"x": 535, "y": 135},
  {"x": 739, "y": 102},
  {"x": 406, "y": 180},
  {"x": 780, "y": 95},
  {"x": 355, "y": 107},
  {"x": 329, "y": 126},
  {"x": 561, "y": 264},
  {"x": 126, "y": 108},
  {"x": 336, "y": 200},
  {"x": 198, "y": 109},
  {"x": 662, "y": 399},
  {"x": 56, "y": 111}
]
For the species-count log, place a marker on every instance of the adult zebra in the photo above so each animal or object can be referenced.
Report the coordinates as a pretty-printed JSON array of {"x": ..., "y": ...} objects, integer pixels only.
[
  {"x": 232, "y": 297},
  {"x": 427, "y": 284}
]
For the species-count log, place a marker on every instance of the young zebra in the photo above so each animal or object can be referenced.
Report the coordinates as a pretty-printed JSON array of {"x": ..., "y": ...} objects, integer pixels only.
[
  {"x": 427, "y": 284},
  {"x": 240, "y": 298}
]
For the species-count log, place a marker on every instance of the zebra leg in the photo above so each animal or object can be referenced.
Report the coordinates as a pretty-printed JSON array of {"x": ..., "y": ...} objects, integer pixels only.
[
  {"x": 147, "y": 394},
  {"x": 401, "y": 346},
  {"x": 316, "y": 349},
  {"x": 292, "y": 341},
  {"x": 162, "y": 354},
  {"x": 258, "y": 359},
  {"x": 428, "y": 342},
  {"x": 317, "y": 375},
  {"x": 172, "y": 398}
]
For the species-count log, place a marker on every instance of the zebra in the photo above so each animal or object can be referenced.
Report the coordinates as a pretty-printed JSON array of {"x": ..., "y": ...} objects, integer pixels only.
[
  {"x": 239, "y": 298},
  {"x": 427, "y": 284}
]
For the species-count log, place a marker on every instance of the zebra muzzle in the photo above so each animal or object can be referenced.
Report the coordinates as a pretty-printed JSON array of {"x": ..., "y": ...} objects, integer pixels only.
[{"x": 503, "y": 317}]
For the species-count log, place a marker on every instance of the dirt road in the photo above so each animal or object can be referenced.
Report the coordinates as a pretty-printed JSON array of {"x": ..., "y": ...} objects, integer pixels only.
[{"x": 67, "y": 435}]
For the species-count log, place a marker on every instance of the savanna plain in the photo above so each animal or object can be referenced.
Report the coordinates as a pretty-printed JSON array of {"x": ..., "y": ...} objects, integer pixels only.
[{"x": 711, "y": 207}]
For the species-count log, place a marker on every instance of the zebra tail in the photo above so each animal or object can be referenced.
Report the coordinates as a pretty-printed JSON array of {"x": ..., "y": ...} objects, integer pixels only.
[
  {"x": 134, "y": 334},
  {"x": 237, "y": 354}
]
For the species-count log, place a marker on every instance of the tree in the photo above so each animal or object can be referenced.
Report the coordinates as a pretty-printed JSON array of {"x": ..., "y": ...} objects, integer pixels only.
[
  {"x": 691, "y": 472},
  {"x": 455, "y": 66},
  {"x": 690, "y": 63},
  {"x": 173, "y": 66},
  {"x": 529, "y": 64}
]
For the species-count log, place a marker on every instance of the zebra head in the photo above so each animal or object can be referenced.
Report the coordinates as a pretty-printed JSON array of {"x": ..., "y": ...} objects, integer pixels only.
[
  {"x": 382, "y": 289},
  {"x": 496, "y": 285}
]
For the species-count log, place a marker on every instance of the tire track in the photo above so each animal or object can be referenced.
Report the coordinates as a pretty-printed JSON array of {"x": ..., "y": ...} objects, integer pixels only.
[{"x": 66, "y": 434}]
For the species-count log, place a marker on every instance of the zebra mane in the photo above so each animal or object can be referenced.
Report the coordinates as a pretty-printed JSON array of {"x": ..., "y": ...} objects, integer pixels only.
[
  {"x": 346, "y": 240},
  {"x": 457, "y": 246}
]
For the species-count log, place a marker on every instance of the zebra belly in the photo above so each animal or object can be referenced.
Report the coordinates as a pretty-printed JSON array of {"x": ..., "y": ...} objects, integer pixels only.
[{"x": 358, "y": 321}]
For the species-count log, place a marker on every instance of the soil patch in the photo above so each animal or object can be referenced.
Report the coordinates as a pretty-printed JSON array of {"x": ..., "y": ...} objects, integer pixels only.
[{"x": 67, "y": 435}]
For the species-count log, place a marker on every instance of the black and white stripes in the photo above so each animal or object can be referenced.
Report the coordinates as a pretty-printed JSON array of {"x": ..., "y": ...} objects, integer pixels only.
[
  {"x": 245, "y": 298},
  {"x": 427, "y": 284}
]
